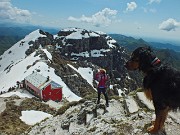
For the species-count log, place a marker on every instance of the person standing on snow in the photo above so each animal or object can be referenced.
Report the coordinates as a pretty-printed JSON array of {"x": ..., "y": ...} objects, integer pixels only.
[{"x": 102, "y": 78}]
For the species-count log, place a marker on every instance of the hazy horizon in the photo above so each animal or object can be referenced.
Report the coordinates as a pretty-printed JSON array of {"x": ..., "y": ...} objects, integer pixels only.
[
  {"x": 143, "y": 18},
  {"x": 146, "y": 38}
]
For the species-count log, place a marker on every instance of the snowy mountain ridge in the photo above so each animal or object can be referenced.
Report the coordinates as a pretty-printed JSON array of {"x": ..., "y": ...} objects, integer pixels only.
[{"x": 16, "y": 63}]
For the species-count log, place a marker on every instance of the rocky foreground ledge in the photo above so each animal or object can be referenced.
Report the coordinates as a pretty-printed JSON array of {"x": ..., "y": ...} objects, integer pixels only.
[
  {"x": 130, "y": 115},
  {"x": 90, "y": 119}
]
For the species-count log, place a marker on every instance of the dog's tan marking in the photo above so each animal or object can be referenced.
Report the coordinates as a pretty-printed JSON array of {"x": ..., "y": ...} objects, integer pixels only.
[
  {"x": 148, "y": 94},
  {"x": 159, "y": 122}
]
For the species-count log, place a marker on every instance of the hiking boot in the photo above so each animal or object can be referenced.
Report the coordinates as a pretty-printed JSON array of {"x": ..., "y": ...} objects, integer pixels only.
[{"x": 107, "y": 105}]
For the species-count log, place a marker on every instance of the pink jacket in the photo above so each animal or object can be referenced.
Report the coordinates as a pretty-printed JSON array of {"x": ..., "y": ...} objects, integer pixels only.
[{"x": 101, "y": 78}]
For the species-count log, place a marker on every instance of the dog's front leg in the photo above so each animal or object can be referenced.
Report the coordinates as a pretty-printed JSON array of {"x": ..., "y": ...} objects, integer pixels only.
[{"x": 159, "y": 122}]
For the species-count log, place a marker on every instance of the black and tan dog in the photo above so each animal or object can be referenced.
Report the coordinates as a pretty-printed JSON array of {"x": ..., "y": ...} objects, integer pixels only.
[{"x": 161, "y": 84}]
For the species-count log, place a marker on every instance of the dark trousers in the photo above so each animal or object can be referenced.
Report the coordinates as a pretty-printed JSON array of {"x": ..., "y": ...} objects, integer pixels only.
[{"x": 103, "y": 90}]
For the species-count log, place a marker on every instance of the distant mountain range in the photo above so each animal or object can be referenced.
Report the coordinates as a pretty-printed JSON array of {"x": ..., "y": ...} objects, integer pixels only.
[
  {"x": 131, "y": 43},
  {"x": 165, "y": 46},
  {"x": 21, "y": 30},
  {"x": 11, "y": 33},
  {"x": 168, "y": 53}
]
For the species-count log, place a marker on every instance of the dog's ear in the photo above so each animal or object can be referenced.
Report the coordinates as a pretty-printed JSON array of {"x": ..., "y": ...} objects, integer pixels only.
[
  {"x": 146, "y": 50},
  {"x": 141, "y": 51}
]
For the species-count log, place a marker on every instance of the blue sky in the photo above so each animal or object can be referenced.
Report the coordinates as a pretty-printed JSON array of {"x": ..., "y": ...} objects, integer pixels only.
[{"x": 141, "y": 18}]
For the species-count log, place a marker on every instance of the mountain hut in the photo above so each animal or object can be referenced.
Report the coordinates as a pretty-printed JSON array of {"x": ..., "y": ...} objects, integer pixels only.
[{"x": 43, "y": 87}]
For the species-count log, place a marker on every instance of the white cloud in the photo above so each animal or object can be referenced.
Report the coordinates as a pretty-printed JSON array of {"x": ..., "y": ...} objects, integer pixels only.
[
  {"x": 147, "y": 10},
  {"x": 131, "y": 6},
  {"x": 152, "y": 10},
  {"x": 153, "y": 1},
  {"x": 169, "y": 25},
  {"x": 101, "y": 18},
  {"x": 9, "y": 12}
]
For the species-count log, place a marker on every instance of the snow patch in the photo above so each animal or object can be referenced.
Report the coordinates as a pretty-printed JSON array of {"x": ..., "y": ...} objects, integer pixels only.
[
  {"x": 19, "y": 93},
  {"x": 48, "y": 54},
  {"x": 86, "y": 73},
  {"x": 32, "y": 117}
]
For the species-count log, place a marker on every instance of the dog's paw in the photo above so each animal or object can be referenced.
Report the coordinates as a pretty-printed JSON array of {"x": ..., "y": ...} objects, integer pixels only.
[{"x": 151, "y": 129}]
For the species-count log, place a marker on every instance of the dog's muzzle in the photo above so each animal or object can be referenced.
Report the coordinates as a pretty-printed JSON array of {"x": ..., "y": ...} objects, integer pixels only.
[
  {"x": 127, "y": 65},
  {"x": 130, "y": 66}
]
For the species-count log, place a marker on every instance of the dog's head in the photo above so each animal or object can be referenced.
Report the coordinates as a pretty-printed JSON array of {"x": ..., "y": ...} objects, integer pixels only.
[{"x": 143, "y": 59}]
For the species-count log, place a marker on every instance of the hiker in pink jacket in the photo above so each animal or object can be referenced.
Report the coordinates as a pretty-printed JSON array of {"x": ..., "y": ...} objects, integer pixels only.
[{"x": 102, "y": 78}]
